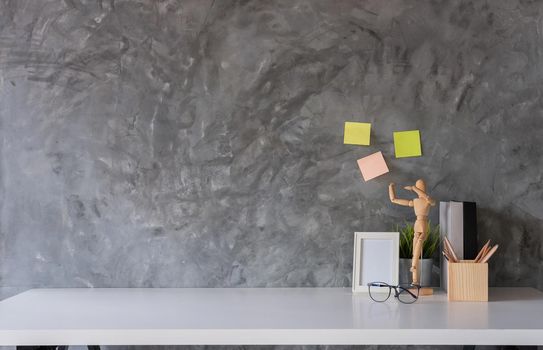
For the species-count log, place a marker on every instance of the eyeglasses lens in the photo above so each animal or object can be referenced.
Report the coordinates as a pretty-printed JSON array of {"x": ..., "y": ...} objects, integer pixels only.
[
  {"x": 407, "y": 293},
  {"x": 379, "y": 292}
]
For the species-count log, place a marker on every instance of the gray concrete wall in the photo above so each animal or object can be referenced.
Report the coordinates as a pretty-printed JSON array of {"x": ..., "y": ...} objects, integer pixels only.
[{"x": 199, "y": 143}]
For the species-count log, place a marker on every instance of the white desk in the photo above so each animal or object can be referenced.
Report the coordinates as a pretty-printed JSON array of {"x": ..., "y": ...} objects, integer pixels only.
[{"x": 264, "y": 316}]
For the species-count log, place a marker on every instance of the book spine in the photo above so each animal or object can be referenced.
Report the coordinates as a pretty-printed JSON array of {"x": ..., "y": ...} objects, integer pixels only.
[
  {"x": 456, "y": 228},
  {"x": 444, "y": 209},
  {"x": 470, "y": 230}
]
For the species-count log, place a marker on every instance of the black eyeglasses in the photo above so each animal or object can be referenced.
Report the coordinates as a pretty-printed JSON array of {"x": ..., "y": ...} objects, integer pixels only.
[{"x": 405, "y": 293}]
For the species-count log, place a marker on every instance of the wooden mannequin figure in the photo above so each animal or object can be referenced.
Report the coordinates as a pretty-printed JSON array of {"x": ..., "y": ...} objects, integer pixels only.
[{"x": 422, "y": 206}]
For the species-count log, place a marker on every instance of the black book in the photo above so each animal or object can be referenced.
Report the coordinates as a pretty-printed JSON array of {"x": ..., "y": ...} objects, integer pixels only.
[{"x": 470, "y": 230}]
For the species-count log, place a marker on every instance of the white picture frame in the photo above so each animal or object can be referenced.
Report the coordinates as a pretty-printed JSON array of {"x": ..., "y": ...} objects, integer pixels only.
[{"x": 376, "y": 258}]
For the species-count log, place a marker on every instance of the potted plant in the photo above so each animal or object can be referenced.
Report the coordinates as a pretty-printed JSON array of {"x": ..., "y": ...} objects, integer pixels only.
[{"x": 429, "y": 248}]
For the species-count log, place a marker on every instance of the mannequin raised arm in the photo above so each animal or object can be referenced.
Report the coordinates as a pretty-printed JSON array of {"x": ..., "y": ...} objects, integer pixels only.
[{"x": 393, "y": 199}]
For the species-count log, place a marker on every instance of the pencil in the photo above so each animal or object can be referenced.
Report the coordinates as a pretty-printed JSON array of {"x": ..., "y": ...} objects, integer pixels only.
[
  {"x": 489, "y": 254},
  {"x": 481, "y": 252},
  {"x": 445, "y": 255}
]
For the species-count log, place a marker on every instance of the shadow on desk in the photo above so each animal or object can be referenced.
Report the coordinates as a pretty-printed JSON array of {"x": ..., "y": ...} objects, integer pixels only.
[{"x": 506, "y": 294}]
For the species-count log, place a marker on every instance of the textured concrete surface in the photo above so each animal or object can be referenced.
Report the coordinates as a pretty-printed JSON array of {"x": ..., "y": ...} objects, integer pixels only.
[{"x": 199, "y": 143}]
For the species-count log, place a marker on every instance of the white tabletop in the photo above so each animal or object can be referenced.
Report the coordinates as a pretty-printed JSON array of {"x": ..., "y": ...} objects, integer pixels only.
[{"x": 264, "y": 316}]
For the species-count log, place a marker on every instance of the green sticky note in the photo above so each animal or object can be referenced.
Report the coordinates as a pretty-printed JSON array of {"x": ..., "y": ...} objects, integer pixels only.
[
  {"x": 407, "y": 144},
  {"x": 357, "y": 134}
]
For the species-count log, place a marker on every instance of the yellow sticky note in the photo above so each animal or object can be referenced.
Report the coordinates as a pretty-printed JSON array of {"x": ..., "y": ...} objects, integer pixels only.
[
  {"x": 357, "y": 134},
  {"x": 407, "y": 144}
]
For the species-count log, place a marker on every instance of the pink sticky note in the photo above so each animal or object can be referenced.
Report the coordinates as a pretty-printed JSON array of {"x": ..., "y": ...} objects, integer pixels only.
[{"x": 372, "y": 166}]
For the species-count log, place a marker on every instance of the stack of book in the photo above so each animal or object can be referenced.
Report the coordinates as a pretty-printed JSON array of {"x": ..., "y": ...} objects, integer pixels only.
[{"x": 458, "y": 223}]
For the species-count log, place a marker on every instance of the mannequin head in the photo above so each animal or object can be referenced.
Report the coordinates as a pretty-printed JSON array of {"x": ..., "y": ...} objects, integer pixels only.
[{"x": 421, "y": 185}]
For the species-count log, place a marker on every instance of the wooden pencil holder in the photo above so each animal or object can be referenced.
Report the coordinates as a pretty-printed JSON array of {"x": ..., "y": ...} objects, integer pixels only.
[{"x": 467, "y": 281}]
